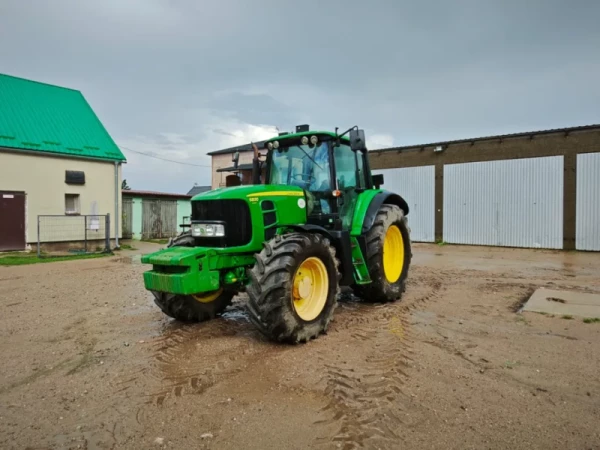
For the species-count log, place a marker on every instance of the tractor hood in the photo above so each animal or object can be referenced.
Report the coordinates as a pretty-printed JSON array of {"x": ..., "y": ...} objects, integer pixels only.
[{"x": 251, "y": 191}]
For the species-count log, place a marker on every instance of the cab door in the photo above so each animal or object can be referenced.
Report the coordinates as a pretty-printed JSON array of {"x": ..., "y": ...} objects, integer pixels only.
[{"x": 350, "y": 181}]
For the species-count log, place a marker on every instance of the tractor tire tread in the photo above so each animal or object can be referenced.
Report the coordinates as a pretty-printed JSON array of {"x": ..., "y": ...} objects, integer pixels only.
[
  {"x": 271, "y": 279},
  {"x": 380, "y": 290},
  {"x": 187, "y": 309}
]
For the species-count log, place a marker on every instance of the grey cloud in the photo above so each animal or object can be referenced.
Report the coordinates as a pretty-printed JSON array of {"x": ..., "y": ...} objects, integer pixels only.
[{"x": 206, "y": 71}]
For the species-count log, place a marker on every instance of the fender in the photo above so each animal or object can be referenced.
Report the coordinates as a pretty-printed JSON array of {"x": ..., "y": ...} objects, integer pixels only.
[
  {"x": 341, "y": 242},
  {"x": 382, "y": 197}
]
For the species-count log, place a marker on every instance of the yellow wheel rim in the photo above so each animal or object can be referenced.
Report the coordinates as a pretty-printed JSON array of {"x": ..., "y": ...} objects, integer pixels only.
[
  {"x": 310, "y": 288},
  {"x": 208, "y": 297},
  {"x": 393, "y": 254}
]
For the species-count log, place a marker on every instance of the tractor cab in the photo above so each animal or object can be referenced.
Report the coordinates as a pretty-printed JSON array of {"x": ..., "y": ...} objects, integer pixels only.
[{"x": 331, "y": 169}]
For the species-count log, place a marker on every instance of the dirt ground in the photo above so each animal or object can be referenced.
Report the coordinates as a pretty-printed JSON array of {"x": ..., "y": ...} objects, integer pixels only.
[{"x": 88, "y": 361}]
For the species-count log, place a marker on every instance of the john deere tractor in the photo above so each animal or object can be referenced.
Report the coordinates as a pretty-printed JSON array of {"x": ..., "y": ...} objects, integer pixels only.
[{"x": 318, "y": 221}]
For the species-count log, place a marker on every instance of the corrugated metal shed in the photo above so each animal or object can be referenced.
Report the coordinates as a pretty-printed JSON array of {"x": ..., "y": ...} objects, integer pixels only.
[
  {"x": 587, "y": 234},
  {"x": 513, "y": 203},
  {"x": 44, "y": 118},
  {"x": 417, "y": 186}
]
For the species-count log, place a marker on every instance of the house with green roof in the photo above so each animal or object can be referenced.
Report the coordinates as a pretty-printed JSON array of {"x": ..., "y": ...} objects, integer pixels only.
[{"x": 56, "y": 159}]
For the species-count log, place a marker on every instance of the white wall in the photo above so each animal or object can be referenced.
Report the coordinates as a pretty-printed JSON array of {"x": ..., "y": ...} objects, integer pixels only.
[
  {"x": 42, "y": 178},
  {"x": 416, "y": 185},
  {"x": 513, "y": 203},
  {"x": 587, "y": 234}
]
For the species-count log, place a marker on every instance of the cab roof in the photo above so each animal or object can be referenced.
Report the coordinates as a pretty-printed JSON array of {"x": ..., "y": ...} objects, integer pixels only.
[{"x": 307, "y": 133}]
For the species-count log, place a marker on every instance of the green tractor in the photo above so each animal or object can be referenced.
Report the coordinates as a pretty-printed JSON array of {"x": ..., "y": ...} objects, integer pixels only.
[{"x": 319, "y": 221}]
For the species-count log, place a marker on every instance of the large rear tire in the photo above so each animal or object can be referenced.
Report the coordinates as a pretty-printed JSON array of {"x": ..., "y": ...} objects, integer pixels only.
[
  {"x": 294, "y": 287},
  {"x": 193, "y": 308},
  {"x": 388, "y": 257}
]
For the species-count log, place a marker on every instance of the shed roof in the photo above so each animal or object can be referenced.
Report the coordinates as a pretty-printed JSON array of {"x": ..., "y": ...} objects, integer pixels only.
[
  {"x": 197, "y": 190},
  {"x": 134, "y": 193},
  {"x": 526, "y": 134},
  {"x": 239, "y": 148},
  {"x": 50, "y": 119},
  {"x": 235, "y": 169}
]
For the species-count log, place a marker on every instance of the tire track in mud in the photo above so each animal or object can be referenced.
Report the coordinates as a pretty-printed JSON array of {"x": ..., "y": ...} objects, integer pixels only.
[
  {"x": 190, "y": 359},
  {"x": 366, "y": 399}
]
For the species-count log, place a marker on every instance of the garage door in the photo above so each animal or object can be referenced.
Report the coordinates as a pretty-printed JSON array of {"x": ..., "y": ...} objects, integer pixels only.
[
  {"x": 12, "y": 221},
  {"x": 587, "y": 235},
  {"x": 515, "y": 203},
  {"x": 417, "y": 186},
  {"x": 159, "y": 218}
]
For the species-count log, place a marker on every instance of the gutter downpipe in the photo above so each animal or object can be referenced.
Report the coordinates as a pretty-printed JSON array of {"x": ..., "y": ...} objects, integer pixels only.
[{"x": 117, "y": 187}]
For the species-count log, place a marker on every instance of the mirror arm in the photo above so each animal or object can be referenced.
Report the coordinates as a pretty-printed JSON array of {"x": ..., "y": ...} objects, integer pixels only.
[{"x": 355, "y": 127}]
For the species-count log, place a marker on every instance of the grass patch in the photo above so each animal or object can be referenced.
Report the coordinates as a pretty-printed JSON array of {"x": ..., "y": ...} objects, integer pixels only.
[
  {"x": 591, "y": 320},
  {"x": 522, "y": 319},
  {"x": 441, "y": 243},
  {"x": 156, "y": 241},
  {"x": 511, "y": 364},
  {"x": 21, "y": 259},
  {"x": 567, "y": 317}
]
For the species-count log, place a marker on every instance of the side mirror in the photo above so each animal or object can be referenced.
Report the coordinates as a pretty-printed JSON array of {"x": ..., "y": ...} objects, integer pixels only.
[
  {"x": 235, "y": 159},
  {"x": 377, "y": 180},
  {"x": 357, "y": 140}
]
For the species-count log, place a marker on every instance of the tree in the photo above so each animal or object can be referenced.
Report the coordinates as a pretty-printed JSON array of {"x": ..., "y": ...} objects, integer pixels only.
[{"x": 124, "y": 186}]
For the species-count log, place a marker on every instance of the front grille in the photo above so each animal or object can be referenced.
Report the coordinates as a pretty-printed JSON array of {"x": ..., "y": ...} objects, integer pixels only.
[{"x": 235, "y": 214}]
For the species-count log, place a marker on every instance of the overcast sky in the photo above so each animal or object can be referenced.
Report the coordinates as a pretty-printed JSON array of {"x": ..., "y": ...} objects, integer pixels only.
[{"x": 179, "y": 78}]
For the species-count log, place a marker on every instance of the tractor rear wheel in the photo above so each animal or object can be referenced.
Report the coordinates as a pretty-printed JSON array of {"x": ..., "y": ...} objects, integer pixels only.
[
  {"x": 193, "y": 308},
  {"x": 388, "y": 256},
  {"x": 294, "y": 287}
]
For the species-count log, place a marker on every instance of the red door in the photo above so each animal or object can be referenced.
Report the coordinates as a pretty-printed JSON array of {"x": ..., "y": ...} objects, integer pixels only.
[{"x": 12, "y": 221}]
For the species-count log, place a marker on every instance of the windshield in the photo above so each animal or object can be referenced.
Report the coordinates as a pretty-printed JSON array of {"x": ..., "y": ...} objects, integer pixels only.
[{"x": 303, "y": 166}]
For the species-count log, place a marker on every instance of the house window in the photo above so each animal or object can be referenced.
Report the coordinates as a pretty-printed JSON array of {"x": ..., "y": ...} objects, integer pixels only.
[
  {"x": 72, "y": 204},
  {"x": 74, "y": 177}
]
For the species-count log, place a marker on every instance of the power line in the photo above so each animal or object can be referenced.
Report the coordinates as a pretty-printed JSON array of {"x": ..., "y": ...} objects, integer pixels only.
[{"x": 163, "y": 159}]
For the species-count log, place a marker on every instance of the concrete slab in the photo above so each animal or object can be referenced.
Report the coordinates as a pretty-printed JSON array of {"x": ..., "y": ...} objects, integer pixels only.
[{"x": 562, "y": 303}]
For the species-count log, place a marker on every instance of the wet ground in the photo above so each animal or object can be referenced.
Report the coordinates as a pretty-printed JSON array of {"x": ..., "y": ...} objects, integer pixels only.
[{"x": 89, "y": 362}]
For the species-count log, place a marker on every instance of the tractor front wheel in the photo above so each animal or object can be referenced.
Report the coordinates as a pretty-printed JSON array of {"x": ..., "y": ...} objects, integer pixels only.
[
  {"x": 193, "y": 308},
  {"x": 294, "y": 287},
  {"x": 388, "y": 256}
]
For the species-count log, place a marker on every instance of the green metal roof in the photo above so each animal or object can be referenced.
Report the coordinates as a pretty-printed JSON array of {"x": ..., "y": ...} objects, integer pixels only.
[{"x": 51, "y": 119}]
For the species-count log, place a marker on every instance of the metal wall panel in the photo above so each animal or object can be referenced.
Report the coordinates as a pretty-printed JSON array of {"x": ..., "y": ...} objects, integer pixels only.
[
  {"x": 512, "y": 203},
  {"x": 417, "y": 186},
  {"x": 587, "y": 234}
]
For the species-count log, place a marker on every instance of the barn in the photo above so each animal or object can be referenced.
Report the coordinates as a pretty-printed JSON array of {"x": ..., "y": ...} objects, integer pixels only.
[{"x": 60, "y": 170}]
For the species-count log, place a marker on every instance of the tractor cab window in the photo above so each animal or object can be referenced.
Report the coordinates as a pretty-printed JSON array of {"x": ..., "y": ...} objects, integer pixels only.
[
  {"x": 349, "y": 169},
  {"x": 307, "y": 167}
]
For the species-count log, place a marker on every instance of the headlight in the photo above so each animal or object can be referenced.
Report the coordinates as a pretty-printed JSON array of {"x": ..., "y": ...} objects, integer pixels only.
[{"x": 208, "y": 229}]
